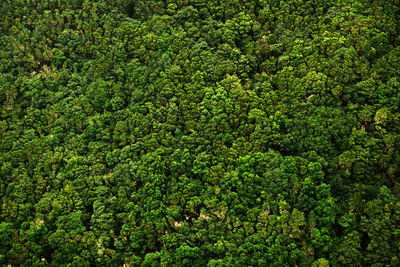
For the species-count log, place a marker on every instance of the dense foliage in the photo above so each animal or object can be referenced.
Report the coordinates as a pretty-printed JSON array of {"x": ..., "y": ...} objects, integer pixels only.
[{"x": 200, "y": 133}]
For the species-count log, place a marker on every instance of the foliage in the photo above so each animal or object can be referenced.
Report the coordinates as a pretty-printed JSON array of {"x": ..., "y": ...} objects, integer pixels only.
[{"x": 199, "y": 133}]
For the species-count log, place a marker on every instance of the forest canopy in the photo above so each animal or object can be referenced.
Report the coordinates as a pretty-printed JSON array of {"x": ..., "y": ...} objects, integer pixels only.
[{"x": 200, "y": 133}]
